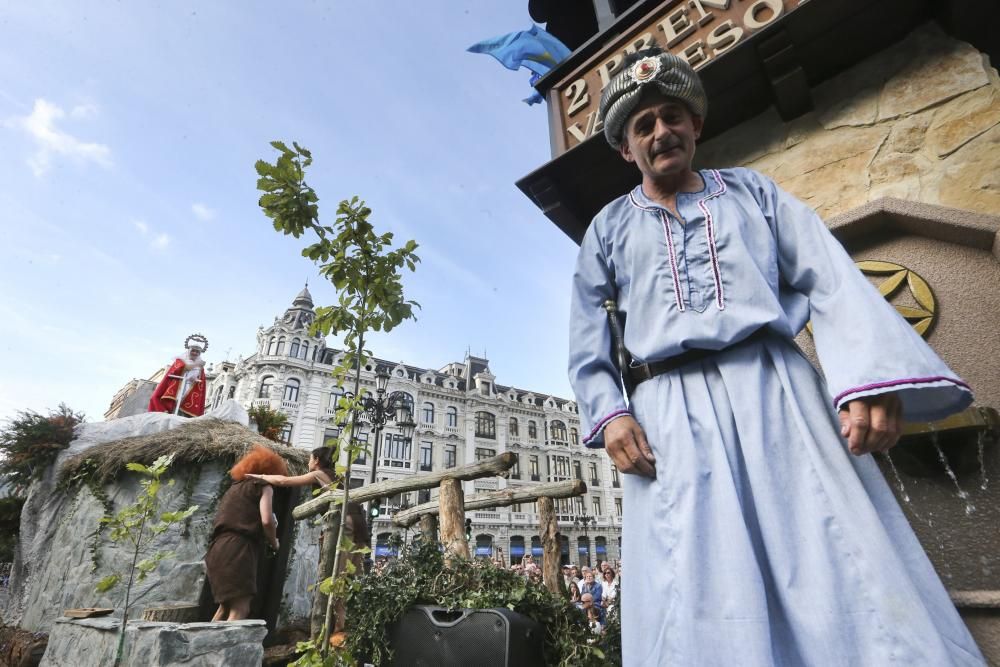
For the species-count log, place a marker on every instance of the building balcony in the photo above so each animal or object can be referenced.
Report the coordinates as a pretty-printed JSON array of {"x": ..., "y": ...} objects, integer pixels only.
[
  {"x": 490, "y": 484},
  {"x": 452, "y": 429},
  {"x": 289, "y": 406}
]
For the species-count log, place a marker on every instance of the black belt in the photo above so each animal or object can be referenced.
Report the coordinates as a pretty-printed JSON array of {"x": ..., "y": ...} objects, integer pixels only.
[{"x": 642, "y": 372}]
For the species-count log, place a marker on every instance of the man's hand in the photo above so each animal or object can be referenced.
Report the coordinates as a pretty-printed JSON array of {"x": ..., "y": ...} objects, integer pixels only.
[
  {"x": 871, "y": 424},
  {"x": 626, "y": 444}
]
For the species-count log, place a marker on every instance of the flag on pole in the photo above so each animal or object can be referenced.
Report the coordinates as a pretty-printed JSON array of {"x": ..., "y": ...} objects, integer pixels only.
[{"x": 533, "y": 49}]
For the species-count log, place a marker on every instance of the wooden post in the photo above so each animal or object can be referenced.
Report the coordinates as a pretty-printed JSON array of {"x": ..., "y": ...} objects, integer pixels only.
[
  {"x": 453, "y": 519},
  {"x": 429, "y": 527},
  {"x": 549, "y": 530},
  {"x": 331, "y": 525}
]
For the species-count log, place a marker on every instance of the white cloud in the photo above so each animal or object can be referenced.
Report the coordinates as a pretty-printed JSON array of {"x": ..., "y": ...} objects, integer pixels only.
[
  {"x": 160, "y": 242},
  {"x": 141, "y": 226},
  {"x": 202, "y": 212},
  {"x": 51, "y": 141}
]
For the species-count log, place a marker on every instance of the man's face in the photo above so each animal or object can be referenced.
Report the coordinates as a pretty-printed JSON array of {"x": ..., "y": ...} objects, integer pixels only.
[
  {"x": 574, "y": 571},
  {"x": 587, "y": 600},
  {"x": 660, "y": 136},
  {"x": 195, "y": 352},
  {"x": 588, "y": 577}
]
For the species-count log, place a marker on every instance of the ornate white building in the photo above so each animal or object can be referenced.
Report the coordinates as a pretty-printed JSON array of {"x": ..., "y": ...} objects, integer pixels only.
[{"x": 462, "y": 415}]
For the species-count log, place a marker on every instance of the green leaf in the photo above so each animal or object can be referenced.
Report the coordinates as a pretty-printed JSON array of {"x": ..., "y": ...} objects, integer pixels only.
[{"x": 107, "y": 583}]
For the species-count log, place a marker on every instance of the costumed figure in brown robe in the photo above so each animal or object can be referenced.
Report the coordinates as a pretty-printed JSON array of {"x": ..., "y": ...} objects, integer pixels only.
[
  {"x": 321, "y": 473},
  {"x": 243, "y": 524}
]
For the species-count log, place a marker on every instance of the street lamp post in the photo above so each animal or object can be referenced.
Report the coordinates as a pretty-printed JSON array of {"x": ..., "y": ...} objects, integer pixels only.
[
  {"x": 584, "y": 521},
  {"x": 377, "y": 411}
]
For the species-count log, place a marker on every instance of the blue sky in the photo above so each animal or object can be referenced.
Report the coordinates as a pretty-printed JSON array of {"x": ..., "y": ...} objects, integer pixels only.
[{"x": 128, "y": 206}]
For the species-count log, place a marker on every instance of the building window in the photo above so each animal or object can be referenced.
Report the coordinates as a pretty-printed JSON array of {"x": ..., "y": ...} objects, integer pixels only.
[
  {"x": 484, "y": 388},
  {"x": 232, "y": 391},
  {"x": 450, "y": 456},
  {"x": 618, "y": 506},
  {"x": 361, "y": 441},
  {"x": 484, "y": 546},
  {"x": 596, "y": 504},
  {"x": 426, "y": 455},
  {"x": 512, "y": 428},
  {"x": 532, "y": 430},
  {"x": 577, "y": 470},
  {"x": 557, "y": 431},
  {"x": 516, "y": 549},
  {"x": 515, "y": 472},
  {"x": 331, "y": 437},
  {"x": 428, "y": 413},
  {"x": 533, "y": 463},
  {"x": 482, "y": 453},
  {"x": 581, "y": 505},
  {"x": 293, "y": 350},
  {"x": 265, "y": 387},
  {"x": 291, "y": 390},
  {"x": 272, "y": 345},
  {"x": 423, "y": 496},
  {"x": 305, "y": 350},
  {"x": 335, "y": 395},
  {"x": 396, "y": 450},
  {"x": 452, "y": 417},
  {"x": 286, "y": 434},
  {"x": 574, "y": 437},
  {"x": 593, "y": 475},
  {"x": 486, "y": 425},
  {"x": 218, "y": 397},
  {"x": 615, "y": 481},
  {"x": 561, "y": 466},
  {"x": 281, "y": 346}
]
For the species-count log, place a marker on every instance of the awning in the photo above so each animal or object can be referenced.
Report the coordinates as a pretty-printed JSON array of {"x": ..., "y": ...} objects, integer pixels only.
[
  {"x": 484, "y": 551},
  {"x": 517, "y": 550}
]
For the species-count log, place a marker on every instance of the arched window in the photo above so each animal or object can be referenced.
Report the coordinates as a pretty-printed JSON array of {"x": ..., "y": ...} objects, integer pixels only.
[
  {"x": 563, "y": 550},
  {"x": 583, "y": 550},
  {"x": 293, "y": 351},
  {"x": 601, "y": 548},
  {"x": 281, "y": 346},
  {"x": 574, "y": 437},
  {"x": 428, "y": 410},
  {"x": 265, "y": 387},
  {"x": 291, "y": 390},
  {"x": 532, "y": 429},
  {"x": 305, "y": 349},
  {"x": 271, "y": 346},
  {"x": 536, "y": 547},
  {"x": 382, "y": 545},
  {"x": 516, "y": 549},
  {"x": 512, "y": 428},
  {"x": 484, "y": 546},
  {"x": 452, "y": 413},
  {"x": 486, "y": 425},
  {"x": 557, "y": 430}
]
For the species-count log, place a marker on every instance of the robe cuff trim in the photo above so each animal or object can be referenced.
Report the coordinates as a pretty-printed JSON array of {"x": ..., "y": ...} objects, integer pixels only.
[
  {"x": 601, "y": 424},
  {"x": 844, "y": 395}
]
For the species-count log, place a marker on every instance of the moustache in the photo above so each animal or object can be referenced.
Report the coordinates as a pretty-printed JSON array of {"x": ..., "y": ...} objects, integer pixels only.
[{"x": 666, "y": 146}]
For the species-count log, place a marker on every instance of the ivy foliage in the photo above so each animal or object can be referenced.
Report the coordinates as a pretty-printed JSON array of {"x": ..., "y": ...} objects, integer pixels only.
[
  {"x": 30, "y": 443},
  {"x": 420, "y": 576}
]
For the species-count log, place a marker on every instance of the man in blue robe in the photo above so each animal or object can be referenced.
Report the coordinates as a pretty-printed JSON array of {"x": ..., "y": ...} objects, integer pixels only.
[{"x": 750, "y": 484}]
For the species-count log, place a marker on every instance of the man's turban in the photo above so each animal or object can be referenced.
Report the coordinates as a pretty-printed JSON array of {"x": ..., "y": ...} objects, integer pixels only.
[{"x": 665, "y": 72}]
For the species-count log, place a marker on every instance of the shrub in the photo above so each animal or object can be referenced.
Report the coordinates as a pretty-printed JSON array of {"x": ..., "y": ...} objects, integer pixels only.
[{"x": 30, "y": 443}]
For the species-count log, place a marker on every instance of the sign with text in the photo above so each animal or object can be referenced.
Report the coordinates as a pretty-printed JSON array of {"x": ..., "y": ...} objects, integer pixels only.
[{"x": 697, "y": 30}]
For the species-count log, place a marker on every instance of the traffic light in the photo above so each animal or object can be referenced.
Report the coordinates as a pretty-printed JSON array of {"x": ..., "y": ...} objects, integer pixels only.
[
  {"x": 373, "y": 509},
  {"x": 468, "y": 529}
]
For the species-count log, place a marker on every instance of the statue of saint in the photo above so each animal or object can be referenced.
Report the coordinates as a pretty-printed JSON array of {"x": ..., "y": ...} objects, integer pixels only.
[{"x": 184, "y": 378}]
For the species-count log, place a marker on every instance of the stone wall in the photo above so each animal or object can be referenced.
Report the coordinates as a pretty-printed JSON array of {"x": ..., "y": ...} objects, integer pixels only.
[
  {"x": 54, "y": 567},
  {"x": 93, "y": 642},
  {"x": 920, "y": 121}
]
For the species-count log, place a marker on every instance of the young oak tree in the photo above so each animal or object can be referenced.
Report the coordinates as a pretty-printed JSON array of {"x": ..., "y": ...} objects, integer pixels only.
[{"x": 366, "y": 272}]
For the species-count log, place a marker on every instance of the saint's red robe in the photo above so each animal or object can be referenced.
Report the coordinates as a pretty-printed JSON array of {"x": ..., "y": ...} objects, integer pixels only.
[{"x": 165, "y": 396}]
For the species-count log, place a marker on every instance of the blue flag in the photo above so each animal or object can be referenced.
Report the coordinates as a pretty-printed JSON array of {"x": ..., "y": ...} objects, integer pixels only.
[{"x": 533, "y": 49}]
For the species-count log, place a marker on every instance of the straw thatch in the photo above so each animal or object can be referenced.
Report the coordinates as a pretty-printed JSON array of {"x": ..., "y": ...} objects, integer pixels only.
[{"x": 197, "y": 442}]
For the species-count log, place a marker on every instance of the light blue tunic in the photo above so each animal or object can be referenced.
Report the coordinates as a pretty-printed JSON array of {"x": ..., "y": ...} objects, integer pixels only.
[{"x": 762, "y": 541}]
